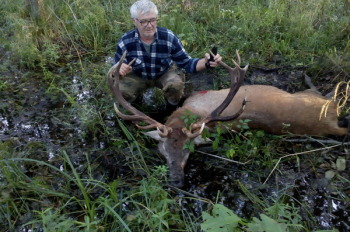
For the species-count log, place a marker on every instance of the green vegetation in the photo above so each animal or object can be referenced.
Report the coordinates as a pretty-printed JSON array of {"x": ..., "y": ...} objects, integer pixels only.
[{"x": 95, "y": 173}]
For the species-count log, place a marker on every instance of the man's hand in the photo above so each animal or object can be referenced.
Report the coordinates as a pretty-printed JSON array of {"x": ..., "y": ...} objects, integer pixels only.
[
  {"x": 125, "y": 69},
  {"x": 217, "y": 59},
  {"x": 201, "y": 63}
]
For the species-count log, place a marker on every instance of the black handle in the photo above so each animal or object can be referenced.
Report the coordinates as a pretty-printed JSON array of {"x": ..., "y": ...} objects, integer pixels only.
[{"x": 214, "y": 50}]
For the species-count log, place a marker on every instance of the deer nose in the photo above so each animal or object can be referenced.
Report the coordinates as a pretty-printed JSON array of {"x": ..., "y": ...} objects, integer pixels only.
[{"x": 176, "y": 180}]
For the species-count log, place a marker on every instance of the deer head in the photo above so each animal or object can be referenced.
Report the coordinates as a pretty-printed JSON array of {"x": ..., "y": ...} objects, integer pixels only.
[{"x": 173, "y": 135}]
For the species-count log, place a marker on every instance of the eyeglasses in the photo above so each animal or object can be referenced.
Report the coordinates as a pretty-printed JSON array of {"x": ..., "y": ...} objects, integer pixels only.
[{"x": 145, "y": 22}]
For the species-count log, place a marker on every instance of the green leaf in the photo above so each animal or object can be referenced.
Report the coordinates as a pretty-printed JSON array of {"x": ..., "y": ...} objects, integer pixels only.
[
  {"x": 189, "y": 145},
  {"x": 266, "y": 224},
  {"x": 341, "y": 164},
  {"x": 260, "y": 133},
  {"x": 221, "y": 219},
  {"x": 230, "y": 153},
  {"x": 215, "y": 144}
]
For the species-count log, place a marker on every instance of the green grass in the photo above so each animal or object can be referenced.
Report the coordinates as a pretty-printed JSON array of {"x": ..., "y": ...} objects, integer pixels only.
[{"x": 283, "y": 31}]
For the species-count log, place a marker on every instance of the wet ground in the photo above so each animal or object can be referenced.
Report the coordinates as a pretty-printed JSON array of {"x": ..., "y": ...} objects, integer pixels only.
[
  {"x": 308, "y": 190},
  {"x": 42, "y": 124}
]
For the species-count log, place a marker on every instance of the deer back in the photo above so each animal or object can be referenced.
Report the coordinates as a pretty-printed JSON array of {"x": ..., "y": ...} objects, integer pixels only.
[{"x": 274, "y": 110}]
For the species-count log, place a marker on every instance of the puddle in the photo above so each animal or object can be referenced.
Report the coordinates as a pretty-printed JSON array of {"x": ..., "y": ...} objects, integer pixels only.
[{"x": 81, "y": 92}]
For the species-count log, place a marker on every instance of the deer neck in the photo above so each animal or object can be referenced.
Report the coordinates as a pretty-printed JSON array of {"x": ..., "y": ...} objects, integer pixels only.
[{"x": 176, "y": 120}]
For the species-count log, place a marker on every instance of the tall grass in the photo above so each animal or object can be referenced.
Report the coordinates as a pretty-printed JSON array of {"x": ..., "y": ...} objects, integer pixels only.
[
  {"x": 85, "y": 203},
  {"x": 268, "y": 31}
]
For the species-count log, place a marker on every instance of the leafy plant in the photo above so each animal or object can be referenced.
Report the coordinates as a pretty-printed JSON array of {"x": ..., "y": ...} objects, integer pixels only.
[
  {"x": 189, "y": 144},
  {"x": 244, "y": 143},
  {"x": 266, "y": 224},
  {"x": 221, "y": 219},
  {"x": 189, "y": 118},
  {"x": 53, "y": 221}
]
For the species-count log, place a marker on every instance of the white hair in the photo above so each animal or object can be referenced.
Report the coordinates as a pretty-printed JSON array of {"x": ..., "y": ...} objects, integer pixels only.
[{"x": 142, "y": 7}]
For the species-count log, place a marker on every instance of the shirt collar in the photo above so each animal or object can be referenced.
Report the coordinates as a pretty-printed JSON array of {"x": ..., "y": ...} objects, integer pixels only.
[{"x": 137, "y": 35}]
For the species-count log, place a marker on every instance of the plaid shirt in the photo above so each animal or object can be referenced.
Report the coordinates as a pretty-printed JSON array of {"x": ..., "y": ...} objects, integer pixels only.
[{"x": 165, "y": 50}]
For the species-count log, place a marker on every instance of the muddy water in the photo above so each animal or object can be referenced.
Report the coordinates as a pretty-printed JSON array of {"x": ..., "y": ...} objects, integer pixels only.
[{"x": 30, "y": 117}]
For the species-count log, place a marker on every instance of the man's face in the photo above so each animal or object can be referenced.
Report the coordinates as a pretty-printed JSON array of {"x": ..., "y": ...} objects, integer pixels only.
[{"x": 146, "y": 24}]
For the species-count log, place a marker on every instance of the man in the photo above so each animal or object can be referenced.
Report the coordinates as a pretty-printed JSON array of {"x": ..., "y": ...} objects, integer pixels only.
[{"x": 159, "y": 56}]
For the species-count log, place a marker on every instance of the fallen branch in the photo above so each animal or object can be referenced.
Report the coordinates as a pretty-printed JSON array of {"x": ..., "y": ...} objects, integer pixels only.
[
  {"x": 295, "y": 154},
  {"x": 321, "y": 141},
  {"x": 218, "y": 157}
]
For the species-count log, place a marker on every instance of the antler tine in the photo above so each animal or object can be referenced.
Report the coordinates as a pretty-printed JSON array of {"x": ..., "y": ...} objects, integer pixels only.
[
  {"x": 237, "y": 64},
  {"x": 238, "y": 57},
  {"x": 191, "y": 135},
  {"x": 233, "y": 70},
  {"x": 113, "y": 78}
]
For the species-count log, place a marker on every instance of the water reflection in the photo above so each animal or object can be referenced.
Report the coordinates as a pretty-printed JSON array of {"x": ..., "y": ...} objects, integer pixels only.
[{"x": 4, "y": 124}]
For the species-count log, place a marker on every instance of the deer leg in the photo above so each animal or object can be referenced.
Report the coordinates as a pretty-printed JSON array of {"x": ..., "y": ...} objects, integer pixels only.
[
  {"x": 173, "y": 85},
  {"x": 311, "y": 85},
  {"x": 131, "y": 86}
]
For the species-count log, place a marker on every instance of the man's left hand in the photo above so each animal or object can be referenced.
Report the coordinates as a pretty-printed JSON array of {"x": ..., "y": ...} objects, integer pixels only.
[{"x": 212, "y": 64}]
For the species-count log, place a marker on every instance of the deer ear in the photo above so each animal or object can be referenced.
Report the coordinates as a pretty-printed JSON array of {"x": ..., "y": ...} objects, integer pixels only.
[
  {"x": 199, "y": 140},
  {"x": 154, "y": 135}
]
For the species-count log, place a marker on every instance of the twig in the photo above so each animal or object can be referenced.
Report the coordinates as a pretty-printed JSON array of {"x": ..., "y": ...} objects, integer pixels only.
[
  {"x": 295, "y": 154},
  {"x": 328, "y": 141},
  {"x": 218, "y": 157}
]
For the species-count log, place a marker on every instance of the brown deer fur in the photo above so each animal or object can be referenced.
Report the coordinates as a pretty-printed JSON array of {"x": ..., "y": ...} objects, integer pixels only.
[{"x": 273, "y": 110}]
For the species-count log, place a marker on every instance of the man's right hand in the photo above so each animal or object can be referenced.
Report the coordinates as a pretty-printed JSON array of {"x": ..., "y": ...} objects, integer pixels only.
[{"x": 125, "y": 69}]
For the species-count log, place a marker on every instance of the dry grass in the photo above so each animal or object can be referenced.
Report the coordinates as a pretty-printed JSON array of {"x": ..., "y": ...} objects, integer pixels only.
[{"x": 341, "y": 96}]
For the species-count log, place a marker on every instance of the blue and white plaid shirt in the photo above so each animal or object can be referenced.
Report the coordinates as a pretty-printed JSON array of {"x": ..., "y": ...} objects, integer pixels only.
[{"x": 165, "y": 49}]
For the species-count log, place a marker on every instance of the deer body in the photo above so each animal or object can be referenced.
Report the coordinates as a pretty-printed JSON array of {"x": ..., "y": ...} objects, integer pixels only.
[
  {"x": 268, "y": 108},
  {"x": 273, "y": 110}
]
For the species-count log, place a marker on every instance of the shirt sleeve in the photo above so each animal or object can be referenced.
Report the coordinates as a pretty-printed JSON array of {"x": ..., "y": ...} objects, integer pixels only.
[
  {"x": 181, "y": 58},
  {"x": 119, "y": 51}
]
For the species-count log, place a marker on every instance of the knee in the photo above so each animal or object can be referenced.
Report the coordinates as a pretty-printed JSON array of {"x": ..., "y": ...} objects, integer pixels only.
[
  {"x": 129, "y": 97},
  {"x": 173, "y": 92}
]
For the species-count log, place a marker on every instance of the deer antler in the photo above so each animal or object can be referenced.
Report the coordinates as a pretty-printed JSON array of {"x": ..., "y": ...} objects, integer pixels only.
[
  {"x": 113, "y": 78},
  {"x": 237, "y": 76}
]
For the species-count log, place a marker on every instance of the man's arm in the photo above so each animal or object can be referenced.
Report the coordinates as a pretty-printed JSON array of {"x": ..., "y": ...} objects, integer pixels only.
[{"x": 184, "y": 61}]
